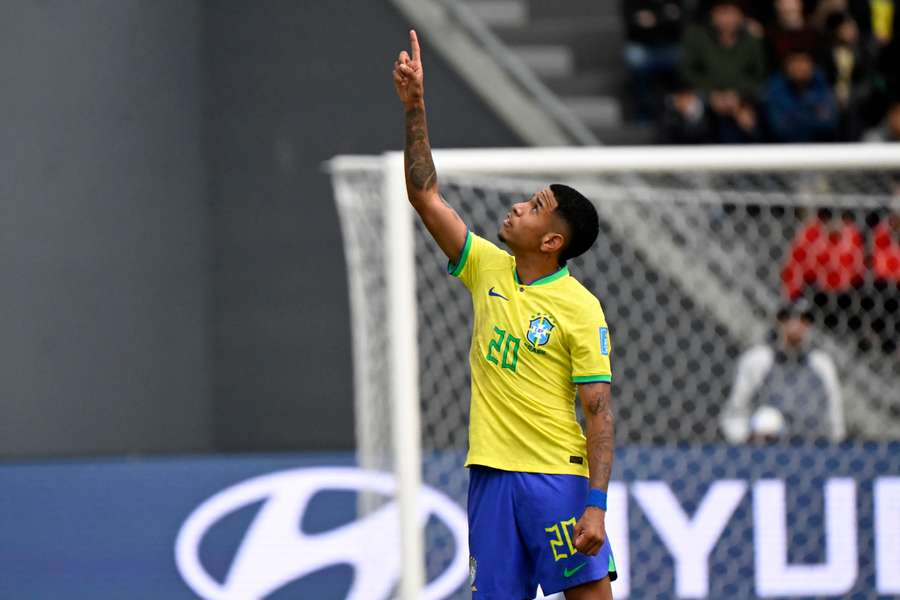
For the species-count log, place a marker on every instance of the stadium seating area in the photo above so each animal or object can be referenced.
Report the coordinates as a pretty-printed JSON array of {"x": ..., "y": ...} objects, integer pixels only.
[
  {"x": 781, "y": 71},
  {"x": 704, "y": 71}
]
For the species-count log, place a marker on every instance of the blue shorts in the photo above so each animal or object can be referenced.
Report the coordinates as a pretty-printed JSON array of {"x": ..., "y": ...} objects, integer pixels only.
[{"x": 521, "y": 535}]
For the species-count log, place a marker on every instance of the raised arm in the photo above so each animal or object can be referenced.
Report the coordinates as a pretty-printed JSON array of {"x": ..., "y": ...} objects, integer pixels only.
[
  {"x": 596, "y": 400},
  {"x": 445, "y": 226}
]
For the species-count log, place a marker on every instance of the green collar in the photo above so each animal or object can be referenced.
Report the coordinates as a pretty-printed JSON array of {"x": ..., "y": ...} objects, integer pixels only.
[{"x": 546, "y": 279}]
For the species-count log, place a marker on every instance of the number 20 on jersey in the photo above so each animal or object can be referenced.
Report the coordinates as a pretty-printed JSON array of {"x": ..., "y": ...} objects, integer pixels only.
[{"x": 506, "y": 347}]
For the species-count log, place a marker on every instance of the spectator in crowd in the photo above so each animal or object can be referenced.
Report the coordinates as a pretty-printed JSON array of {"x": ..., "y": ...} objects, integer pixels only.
[
  {"x": 722, "y": 59},
  {"x": 887, "y": 78},
  {"x": 889, "y": 130},
  {"x": 848, "y": 69},
  {"x": 883, "y": 21},
  {"x": 886, "y": 279},
  {"x": 755, "y": 13},
  {"x": 789, "y": 31},
  {"x": 652, "y": 51},
  {"x": 859, "y": 10},
  {"x": 684, "y": 119},
  {"x": 826, "y": 261},
  {"x": 786, "y": 388},
  {"x": 800, "y": 105},
  {"x": 742, "y": 126}
]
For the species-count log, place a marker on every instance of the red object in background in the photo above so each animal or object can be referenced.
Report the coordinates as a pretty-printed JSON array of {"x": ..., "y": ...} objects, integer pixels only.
[
  {"x": 828, "y": 258},
  {"x": 886, "y": 254}
]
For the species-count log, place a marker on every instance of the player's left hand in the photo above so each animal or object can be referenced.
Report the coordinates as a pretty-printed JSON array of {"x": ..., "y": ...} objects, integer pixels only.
[
  {"x": 590, "y": 531},
  {"x": 409, "y": 75}
]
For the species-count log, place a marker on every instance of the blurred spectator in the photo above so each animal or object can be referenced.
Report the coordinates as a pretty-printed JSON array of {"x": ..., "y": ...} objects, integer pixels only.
[
  {"x": 886, "y": 249},
  {"x": 889, "y": 131},
  {"x": 886, "y": 278},
  {"x": 722, "y": 59},
  {"x": 755, "y": 13},
  {"x": 848, "y": 68},
  {"x": 800, "y": 105},
  {"x": 785, "y": 389},
  {"x": 888, "y": 77},
  {"x": 685, "y": 119},
  {"x": 742, "y": 126},
  {"x": 789, "y": 32},
  {"x": 826, "y": 261},
  {"x": 883, "y": 21},
  {"x": 652, "y": 51},
  {"x": 859, "y": 10}
]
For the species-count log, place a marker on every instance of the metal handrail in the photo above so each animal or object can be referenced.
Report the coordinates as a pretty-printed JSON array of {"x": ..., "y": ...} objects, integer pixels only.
[{"x": 520, "y": 72}]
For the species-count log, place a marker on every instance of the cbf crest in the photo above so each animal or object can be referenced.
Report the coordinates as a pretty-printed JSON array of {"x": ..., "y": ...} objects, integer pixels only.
[{"x": 539, "y": 328}]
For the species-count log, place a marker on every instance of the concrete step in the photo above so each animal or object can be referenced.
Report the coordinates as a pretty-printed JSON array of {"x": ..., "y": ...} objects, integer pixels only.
[
  {"x": 626, "y": 135},
  {"x": 574, "y": 8},
  {"x": 500, "y": 13},
  {"x": 547, "y": 61},
  {"x": 588, "y": 83},
  {"x": 595, "y": 111},
  {"x": 562, "y": 29},
  {"x": 591, "y": 47}
]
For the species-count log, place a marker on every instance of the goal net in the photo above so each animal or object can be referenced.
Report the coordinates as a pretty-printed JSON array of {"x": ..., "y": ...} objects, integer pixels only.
[{"x": 698, "y": 249}]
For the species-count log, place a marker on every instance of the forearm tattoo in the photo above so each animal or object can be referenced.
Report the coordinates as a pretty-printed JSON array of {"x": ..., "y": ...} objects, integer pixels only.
[
  {"x": 420, "y": 172},
  {"x": 601, "y": 436}
]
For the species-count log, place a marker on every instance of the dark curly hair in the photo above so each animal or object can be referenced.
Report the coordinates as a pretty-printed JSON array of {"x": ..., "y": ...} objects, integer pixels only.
[{"x": 581, "y": 217}]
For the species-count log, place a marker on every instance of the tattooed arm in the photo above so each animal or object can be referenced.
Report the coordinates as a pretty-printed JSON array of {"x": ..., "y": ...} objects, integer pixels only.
[
  {"x": 596, "y": 399},
  {"x": 445, "y": 226}
]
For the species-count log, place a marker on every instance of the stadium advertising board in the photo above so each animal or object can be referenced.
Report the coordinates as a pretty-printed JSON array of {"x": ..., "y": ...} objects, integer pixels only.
[{"x": 687, "y": 522}]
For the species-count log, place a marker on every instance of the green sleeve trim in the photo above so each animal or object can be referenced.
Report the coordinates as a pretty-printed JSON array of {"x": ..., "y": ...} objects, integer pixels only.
[
  {"x": 456, "y": 269},
  {"x": 593, "y": 379}
]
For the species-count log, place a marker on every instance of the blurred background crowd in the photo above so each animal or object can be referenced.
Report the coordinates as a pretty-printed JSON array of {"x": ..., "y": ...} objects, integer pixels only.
[
  {"x": 792, "y": 71},
  {"x": 788, "y": 71}
]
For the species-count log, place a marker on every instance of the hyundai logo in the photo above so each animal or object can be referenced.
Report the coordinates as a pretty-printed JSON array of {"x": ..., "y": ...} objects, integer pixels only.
[{"x": 274, "y": 552}]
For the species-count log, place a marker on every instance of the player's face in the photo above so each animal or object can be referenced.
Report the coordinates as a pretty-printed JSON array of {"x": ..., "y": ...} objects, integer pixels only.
[{"x": 528, "y": 224}]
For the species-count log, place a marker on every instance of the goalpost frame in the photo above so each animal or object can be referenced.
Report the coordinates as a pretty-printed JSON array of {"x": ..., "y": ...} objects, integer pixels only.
[{"x": 399, "y": 255}]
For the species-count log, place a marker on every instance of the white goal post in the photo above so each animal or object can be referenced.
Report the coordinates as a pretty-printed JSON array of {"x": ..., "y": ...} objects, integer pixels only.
[{"x": 676, "y": 214}]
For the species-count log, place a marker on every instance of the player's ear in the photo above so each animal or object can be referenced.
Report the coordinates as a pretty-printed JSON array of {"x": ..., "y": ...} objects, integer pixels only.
[{"x": 552, "y": 242}]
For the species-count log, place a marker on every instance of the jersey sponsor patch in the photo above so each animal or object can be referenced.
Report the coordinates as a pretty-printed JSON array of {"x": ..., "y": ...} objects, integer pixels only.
[{"x": 604, "y": 341}]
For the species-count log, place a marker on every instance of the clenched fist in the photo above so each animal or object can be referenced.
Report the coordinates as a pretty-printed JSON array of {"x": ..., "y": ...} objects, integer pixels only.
[
  {"x": 408, "y": 74},
  {"x": 590, "y": 531}
]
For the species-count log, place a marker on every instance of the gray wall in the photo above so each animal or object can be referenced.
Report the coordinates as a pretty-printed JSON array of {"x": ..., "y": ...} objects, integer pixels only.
[
  {"x": 172, "y": 269},
  {"x": 104, "y": 235},
  {"x": 294, "y": 84}
]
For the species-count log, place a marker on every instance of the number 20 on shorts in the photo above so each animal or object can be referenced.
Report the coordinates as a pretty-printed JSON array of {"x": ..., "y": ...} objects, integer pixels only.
[{"x": 558, "y": 531}]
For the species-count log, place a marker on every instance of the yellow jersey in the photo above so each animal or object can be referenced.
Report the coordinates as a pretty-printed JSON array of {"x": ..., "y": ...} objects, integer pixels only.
[{"x": 531, "y": 345}]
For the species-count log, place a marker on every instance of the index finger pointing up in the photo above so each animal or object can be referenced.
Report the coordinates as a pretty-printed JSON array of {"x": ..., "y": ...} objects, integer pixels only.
[{"x": 414, "y": 44}]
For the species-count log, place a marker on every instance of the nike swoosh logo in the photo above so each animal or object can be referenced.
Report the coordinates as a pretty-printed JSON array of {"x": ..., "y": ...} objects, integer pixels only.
[
  {"x": 491, "y": 292},
  {"x": 570, "y": 572}
]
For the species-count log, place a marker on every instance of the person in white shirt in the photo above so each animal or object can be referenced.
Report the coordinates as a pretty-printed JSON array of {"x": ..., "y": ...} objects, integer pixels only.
[{"x": 785, "y": 389}]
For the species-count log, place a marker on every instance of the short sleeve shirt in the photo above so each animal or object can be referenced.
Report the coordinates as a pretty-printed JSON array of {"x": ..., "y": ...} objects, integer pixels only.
[{"x": 531, "y": 345}]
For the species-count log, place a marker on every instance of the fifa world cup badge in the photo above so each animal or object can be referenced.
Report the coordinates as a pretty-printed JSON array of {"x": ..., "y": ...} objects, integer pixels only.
[{"x": 472, "y": 567}]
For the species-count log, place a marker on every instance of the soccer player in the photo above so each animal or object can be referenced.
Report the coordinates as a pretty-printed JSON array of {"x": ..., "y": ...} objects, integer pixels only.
[{"x": 537, "y": 487}]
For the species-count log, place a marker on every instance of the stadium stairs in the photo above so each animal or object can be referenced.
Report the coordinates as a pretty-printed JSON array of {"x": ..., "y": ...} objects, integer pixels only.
[{"x": 575, "y": 48}]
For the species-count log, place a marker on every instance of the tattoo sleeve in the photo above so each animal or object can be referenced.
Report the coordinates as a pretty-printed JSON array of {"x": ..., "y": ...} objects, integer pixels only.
[
  {"x": 420, "y": 172},
  {"x": 596, "y": 399}
]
